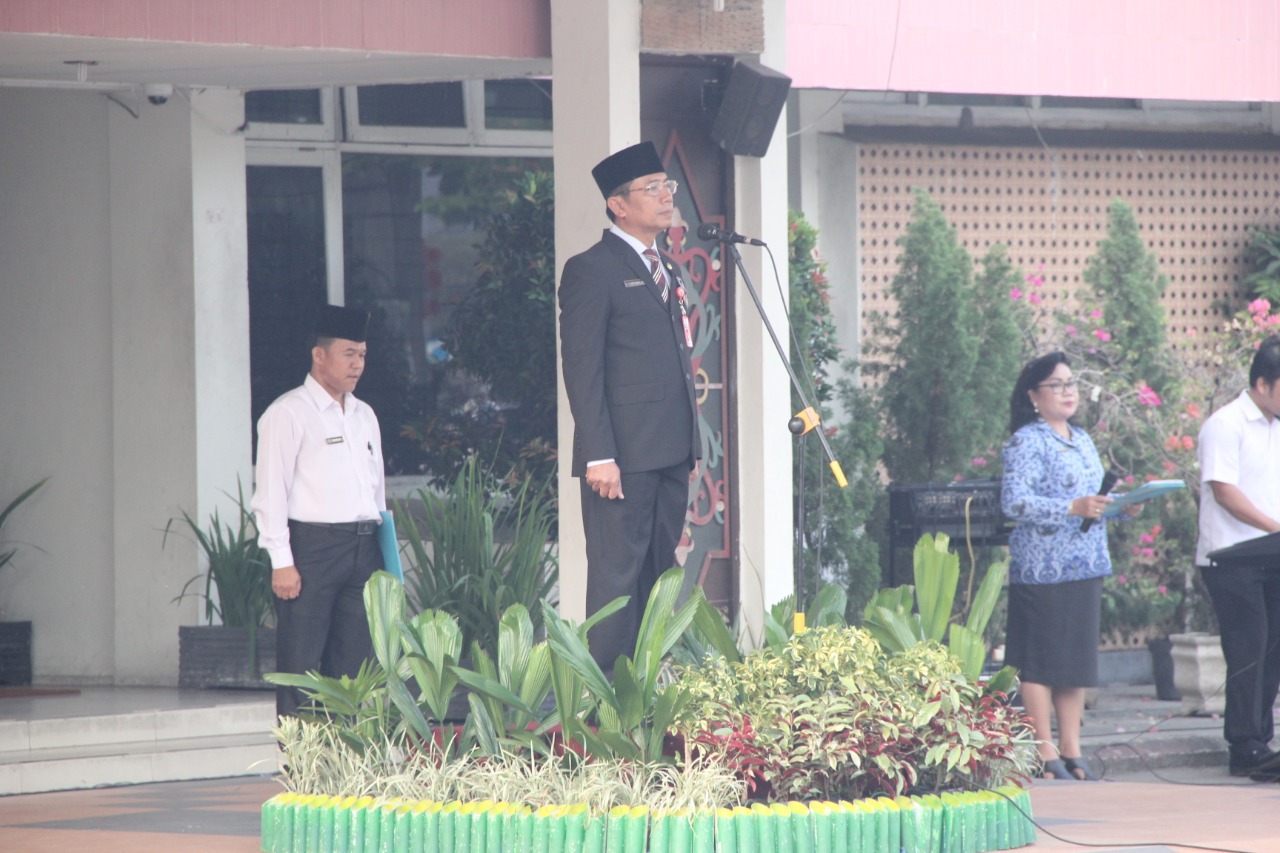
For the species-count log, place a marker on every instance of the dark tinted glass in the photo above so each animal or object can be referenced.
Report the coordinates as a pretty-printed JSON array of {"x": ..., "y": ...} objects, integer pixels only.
[
  {"x": 517, "y": 104},
  {"x": 283, "y": 106},
  {"x": 412, "y": 105}
]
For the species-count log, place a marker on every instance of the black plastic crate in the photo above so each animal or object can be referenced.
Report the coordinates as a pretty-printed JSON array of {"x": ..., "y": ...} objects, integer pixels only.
[{"x": 921, "y": 508}]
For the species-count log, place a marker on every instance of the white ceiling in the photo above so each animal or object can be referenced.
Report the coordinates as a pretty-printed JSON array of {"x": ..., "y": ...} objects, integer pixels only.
[{"x": 42, "y": 60}]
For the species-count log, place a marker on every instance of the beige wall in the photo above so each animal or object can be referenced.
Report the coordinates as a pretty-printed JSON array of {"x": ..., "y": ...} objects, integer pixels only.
[{"x": 123, "y": 321}]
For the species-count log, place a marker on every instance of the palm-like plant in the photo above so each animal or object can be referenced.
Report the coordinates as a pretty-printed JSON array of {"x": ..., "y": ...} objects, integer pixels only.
[
  {"x": 478, "y": 550},
  {"x": 890, "y": 619},
  {"x": 7, "y": 554}
]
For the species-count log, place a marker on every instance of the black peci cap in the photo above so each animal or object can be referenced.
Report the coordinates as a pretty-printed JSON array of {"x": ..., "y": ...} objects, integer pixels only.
[
  {"x": 335, "y": 321},
  {"x": 625, "y": 166}
]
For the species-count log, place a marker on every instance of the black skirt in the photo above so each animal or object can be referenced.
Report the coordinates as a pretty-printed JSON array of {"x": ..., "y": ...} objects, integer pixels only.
[{"x": 1052, "y": 635}]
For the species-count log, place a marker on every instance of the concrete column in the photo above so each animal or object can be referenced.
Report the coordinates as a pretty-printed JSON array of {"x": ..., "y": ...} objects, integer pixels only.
[
  {"x": 179, "y": 320},
  {"x": 763, "y": 390},
  {"x": 596, "y": 67}
]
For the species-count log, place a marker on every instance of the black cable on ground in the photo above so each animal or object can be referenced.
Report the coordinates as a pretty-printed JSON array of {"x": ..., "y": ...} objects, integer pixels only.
[{"x": 1110, "y": 844}]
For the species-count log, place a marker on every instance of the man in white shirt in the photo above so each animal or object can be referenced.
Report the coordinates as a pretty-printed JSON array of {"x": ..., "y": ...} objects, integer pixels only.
[
  {"x": 1239, "y": 453},
  {"x": 319, "y": 491}
]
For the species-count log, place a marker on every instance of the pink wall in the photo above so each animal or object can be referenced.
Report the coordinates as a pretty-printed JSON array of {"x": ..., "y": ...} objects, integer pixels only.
[
  {"x": 1225, "y": 50},
  {"x": 499, "y": 28}
]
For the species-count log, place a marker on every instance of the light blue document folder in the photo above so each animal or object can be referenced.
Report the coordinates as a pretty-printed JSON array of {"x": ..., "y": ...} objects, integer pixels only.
[{"x": 390, "y": 545}]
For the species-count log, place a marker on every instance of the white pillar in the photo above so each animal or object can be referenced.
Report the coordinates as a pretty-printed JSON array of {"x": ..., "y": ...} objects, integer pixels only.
[
  {"x": 764, "y": 397},
  {"x": 179, "y": 323},
  {"x": 595, "y": 50}
]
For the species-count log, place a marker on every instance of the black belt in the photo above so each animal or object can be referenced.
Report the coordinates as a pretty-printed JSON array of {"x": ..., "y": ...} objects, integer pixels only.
[{"x": 360, "y": 528}]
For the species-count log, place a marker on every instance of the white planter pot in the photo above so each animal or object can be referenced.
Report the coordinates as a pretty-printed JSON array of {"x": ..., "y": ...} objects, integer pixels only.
[{"x": 1199, "y": 672}]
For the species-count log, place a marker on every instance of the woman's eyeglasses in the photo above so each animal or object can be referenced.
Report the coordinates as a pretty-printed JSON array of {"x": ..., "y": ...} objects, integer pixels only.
[{"x": 1059, "y": 387}]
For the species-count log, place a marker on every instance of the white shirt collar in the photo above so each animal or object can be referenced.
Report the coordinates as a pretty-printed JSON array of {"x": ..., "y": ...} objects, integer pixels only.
[
  {"x": 322, "y": 398},
  {"x": 632, "y": 241}
]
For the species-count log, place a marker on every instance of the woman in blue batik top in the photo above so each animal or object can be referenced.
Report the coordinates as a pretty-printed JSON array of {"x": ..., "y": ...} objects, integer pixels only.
[{"x": 1052, "y": 474}]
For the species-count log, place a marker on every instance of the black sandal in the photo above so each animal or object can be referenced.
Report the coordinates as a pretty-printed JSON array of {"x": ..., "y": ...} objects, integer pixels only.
[
  {"x": 1079, "y": 766},
  {"x": 1055, "y": 769}
]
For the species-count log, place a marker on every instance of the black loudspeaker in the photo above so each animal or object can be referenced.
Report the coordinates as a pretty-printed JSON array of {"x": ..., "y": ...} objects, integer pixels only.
[{"x": 752, "y": 102}]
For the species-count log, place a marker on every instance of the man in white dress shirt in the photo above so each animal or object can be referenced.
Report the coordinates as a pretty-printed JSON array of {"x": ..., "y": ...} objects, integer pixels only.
[
  {"x": 319, "y": 491},
  {"x": 1239, "y": 454}
]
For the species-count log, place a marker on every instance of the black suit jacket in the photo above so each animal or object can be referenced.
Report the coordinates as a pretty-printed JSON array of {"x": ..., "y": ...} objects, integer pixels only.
[{"x": 626, "y": 366}]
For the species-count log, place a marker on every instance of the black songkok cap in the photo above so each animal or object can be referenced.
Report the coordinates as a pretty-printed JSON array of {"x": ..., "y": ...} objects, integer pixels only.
[
  {"x": 625, "y": 166},
  {"x": 335, "y": 321}
]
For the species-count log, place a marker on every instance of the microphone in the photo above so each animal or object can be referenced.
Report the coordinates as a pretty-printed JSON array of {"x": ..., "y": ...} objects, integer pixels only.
[
  {"x": 1108, "y": 483},
  {"x": 711, "y": 231}
]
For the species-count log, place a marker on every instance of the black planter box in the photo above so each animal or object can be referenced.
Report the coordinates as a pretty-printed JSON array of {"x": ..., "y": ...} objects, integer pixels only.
[
  {"x": 15, "y": 653},
  {"x": 218, "y": 656}
]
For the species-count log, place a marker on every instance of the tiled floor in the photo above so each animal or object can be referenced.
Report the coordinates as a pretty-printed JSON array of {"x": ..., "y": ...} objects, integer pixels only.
[
  {"x": 222, "y": 816},
  {"x": 207, "y": 816}
]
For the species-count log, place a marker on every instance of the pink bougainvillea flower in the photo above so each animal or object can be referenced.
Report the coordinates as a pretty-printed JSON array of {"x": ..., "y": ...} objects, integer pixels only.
[
  {"x": 1260, "y": 306},
  {"x": 1156, "y": 530},
  {"x": 1172, "y": 443},
  {"x": 1033, "y": 298},
  {"x": 1121, "y": 579},
  {"x": 979, "y": 462},
  {"x": 1148, "y": 552},
  {"x": 1102, "y": 334},
  {"x": 1128, "y": 478},
  {"x": 1193, "y": 410},
  {"x": 1146, "y": 538},
  {"x": 1015, "y": 294},
  {"x": 1188, "y": 443},
  {"x": 1147, "y": 395},
  {"x": 1162, "y": 589},
  {"x": 1095, "y": 313},
  {"x": 1137, "y": 552},
  {"x": 1071, "y": 330}
]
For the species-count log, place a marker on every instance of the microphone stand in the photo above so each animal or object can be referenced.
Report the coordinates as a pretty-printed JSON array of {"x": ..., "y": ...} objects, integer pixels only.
[{"x": 808, "y": 416}]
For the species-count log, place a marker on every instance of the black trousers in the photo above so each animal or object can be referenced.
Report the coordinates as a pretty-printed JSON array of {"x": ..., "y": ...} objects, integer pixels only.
[
  {"x": 325, "y": 627},
  {"x": 1247, "y": 602},
  {"x": 630, "y": 543}
]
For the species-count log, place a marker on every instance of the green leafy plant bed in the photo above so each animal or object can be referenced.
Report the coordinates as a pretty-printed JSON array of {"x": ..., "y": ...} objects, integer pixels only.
[{"x": 971, "y": 821}]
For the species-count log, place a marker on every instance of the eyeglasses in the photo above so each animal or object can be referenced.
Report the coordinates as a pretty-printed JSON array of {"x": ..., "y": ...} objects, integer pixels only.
[
  {"x": 656, "y": 187},
  {"x": 1059, "y": 387}
]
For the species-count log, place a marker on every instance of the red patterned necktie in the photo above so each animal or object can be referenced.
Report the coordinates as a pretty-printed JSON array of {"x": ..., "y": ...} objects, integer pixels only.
[{"x": 655, "y": 270}]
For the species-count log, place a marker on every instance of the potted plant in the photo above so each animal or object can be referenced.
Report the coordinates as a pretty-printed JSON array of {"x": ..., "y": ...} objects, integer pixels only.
[
  {"x": 238, "y": 643},
  {"x": 15, "y": 637}
]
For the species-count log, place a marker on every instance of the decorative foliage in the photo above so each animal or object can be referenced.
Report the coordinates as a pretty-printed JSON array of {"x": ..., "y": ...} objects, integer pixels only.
[
  {"x": 1262, "y": 258},
  {"x": 477, "y": 549},
  {"x": 237, "y": 578},
  {"x": 831, "y": 715}
]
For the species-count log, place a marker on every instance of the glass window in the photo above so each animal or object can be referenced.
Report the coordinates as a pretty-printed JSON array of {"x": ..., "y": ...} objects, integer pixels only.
[
  {"x": 412, "y": 228},
  {"x": 283, "y": 106},
  {"x": 286, "y": 270},
  {"x": 517, "y": 104},
  {"x": 412, "y": 105}
]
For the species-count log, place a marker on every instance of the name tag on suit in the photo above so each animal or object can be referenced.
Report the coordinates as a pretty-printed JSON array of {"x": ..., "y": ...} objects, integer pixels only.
[{"x": 635, "y": 282}]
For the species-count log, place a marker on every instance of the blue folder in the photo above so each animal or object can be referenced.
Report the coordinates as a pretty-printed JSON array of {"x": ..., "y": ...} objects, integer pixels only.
[{"x": 390, "y": 545}]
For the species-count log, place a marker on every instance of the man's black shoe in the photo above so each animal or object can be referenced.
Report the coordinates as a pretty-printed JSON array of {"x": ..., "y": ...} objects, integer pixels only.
[{"x": 1256, "y": 762}]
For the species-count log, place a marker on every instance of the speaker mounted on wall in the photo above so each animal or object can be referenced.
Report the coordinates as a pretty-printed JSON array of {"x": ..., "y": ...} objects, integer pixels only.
[{"x": 748, "y": 113}]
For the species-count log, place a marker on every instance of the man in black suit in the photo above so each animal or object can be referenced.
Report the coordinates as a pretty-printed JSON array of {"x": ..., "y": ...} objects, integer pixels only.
[{"x": 625, "y": 344}]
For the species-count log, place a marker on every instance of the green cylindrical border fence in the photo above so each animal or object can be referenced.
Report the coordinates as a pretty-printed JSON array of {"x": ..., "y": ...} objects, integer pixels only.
[{"x": 974, "y": 822}]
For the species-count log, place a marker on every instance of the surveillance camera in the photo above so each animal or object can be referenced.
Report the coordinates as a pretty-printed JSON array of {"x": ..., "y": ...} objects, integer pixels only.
[{"x": 158, "y": 93}]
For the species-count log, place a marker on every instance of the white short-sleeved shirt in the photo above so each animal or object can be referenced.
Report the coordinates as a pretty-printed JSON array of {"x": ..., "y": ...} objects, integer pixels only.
[
  {"x": 1240, "y": 446},
  {"x": 318, "y": 461}
]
